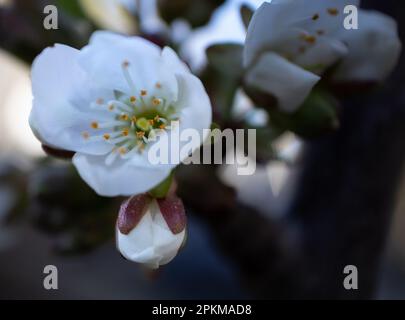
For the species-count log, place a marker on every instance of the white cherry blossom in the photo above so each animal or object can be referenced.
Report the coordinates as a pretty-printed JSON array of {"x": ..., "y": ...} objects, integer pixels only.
[{"x": 108, "y": 102}]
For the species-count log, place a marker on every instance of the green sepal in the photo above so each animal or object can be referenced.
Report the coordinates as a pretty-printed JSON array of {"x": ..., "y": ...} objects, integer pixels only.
[{"x": 162, "y": 190}]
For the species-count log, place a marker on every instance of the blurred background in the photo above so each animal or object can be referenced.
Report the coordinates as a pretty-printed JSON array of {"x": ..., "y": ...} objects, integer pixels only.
[{"x": 48, "y": 216}]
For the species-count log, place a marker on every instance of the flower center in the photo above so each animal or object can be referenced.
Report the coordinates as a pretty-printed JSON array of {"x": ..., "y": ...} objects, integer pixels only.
[{"x": 136, "y": 120}]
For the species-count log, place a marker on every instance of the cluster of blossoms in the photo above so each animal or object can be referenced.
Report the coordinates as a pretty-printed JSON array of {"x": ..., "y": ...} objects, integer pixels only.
[
  {"x": 291, "y": 44},
  {"x": 108, "y": 103}
]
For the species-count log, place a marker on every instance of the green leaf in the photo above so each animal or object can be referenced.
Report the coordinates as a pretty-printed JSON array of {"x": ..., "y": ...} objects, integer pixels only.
[
  {"x": 265, "y": 137},
  {"x": 315, "y": 117},
  {"x": 227, "y": 59},
  {"x": 196, "y": 12},
  {"x": 72, "y": 7},
  {"x": 260, "y": 98},
  {"x": 214, "y": 126},
  {"x": 246, "y": 14}
]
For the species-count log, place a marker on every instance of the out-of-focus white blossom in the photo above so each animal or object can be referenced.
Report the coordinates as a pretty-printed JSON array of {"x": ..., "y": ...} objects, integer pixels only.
[
  {"x": 373, "y": 50},
  {"x": 114, "y": 15},
  {"x": 290, "y": 43}
]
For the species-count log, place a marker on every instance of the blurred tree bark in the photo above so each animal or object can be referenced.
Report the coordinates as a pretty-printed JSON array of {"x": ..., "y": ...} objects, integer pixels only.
[{"x": 342, "y": 209}]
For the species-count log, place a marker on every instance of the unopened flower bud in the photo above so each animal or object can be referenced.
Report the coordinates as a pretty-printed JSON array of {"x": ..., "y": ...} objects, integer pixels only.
[{"x": 151, "y": 231}]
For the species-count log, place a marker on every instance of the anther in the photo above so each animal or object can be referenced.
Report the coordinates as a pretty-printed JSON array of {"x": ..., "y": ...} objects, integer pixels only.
[
  {"x": 125, "y": 132},
  {"x": 94, "y": 125},
  {"x": 310, "y": 39},
  {"x": 106, "y": 136},
  {"x": 124, "y": 117},
  {"x": 156, "y": 102},
  {"x": 333, "y": 11},
  {"x": 144, "y": 93},
  {"x": 315, "y": 17}
]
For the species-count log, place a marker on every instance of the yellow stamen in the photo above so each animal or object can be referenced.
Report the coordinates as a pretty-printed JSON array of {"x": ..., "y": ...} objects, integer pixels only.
[
  {"x": 144, "y": 93},
  {"x": 315, "y": 17},
  {"x": 156, "y": 102},
  {"x": 85, "y": 135},
  {"x": 333, "y": 11},
  {"x": 122, "y": 150},
  {"x": 158, "y": 85},
  {"x": 125, "y": 132},
  {"x": 94, "y": 125},
  {"x": 310, "y": 39},
  {"x": 133, "y": 99},
  {"x": 124, "y": 117},
  {"x": 106, "y": 136},
  {"x": 140, "y": 134}
]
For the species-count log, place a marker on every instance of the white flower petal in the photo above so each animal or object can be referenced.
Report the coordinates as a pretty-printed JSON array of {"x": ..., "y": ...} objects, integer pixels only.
[
  {"x": 121, "y": 178},
  {"x": 151, "y": 242},
  {"x": 276, "y": 26},
  {"x": 54, "y": 118},
  {"x": 103, "y": 59},
  {"x": 374, "y": 49},
  {"x": 282, "y": 26},
  {"x": 326, "y": 52},
  {"x": 195, "y": 105},
  {"x": 171, "y": 59},
  {"x": 111, "y": 15},
  {"x": 277, "y": 76},
  {"x": 264, "y": 30},
  {"x": 304, "y": 11}
]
